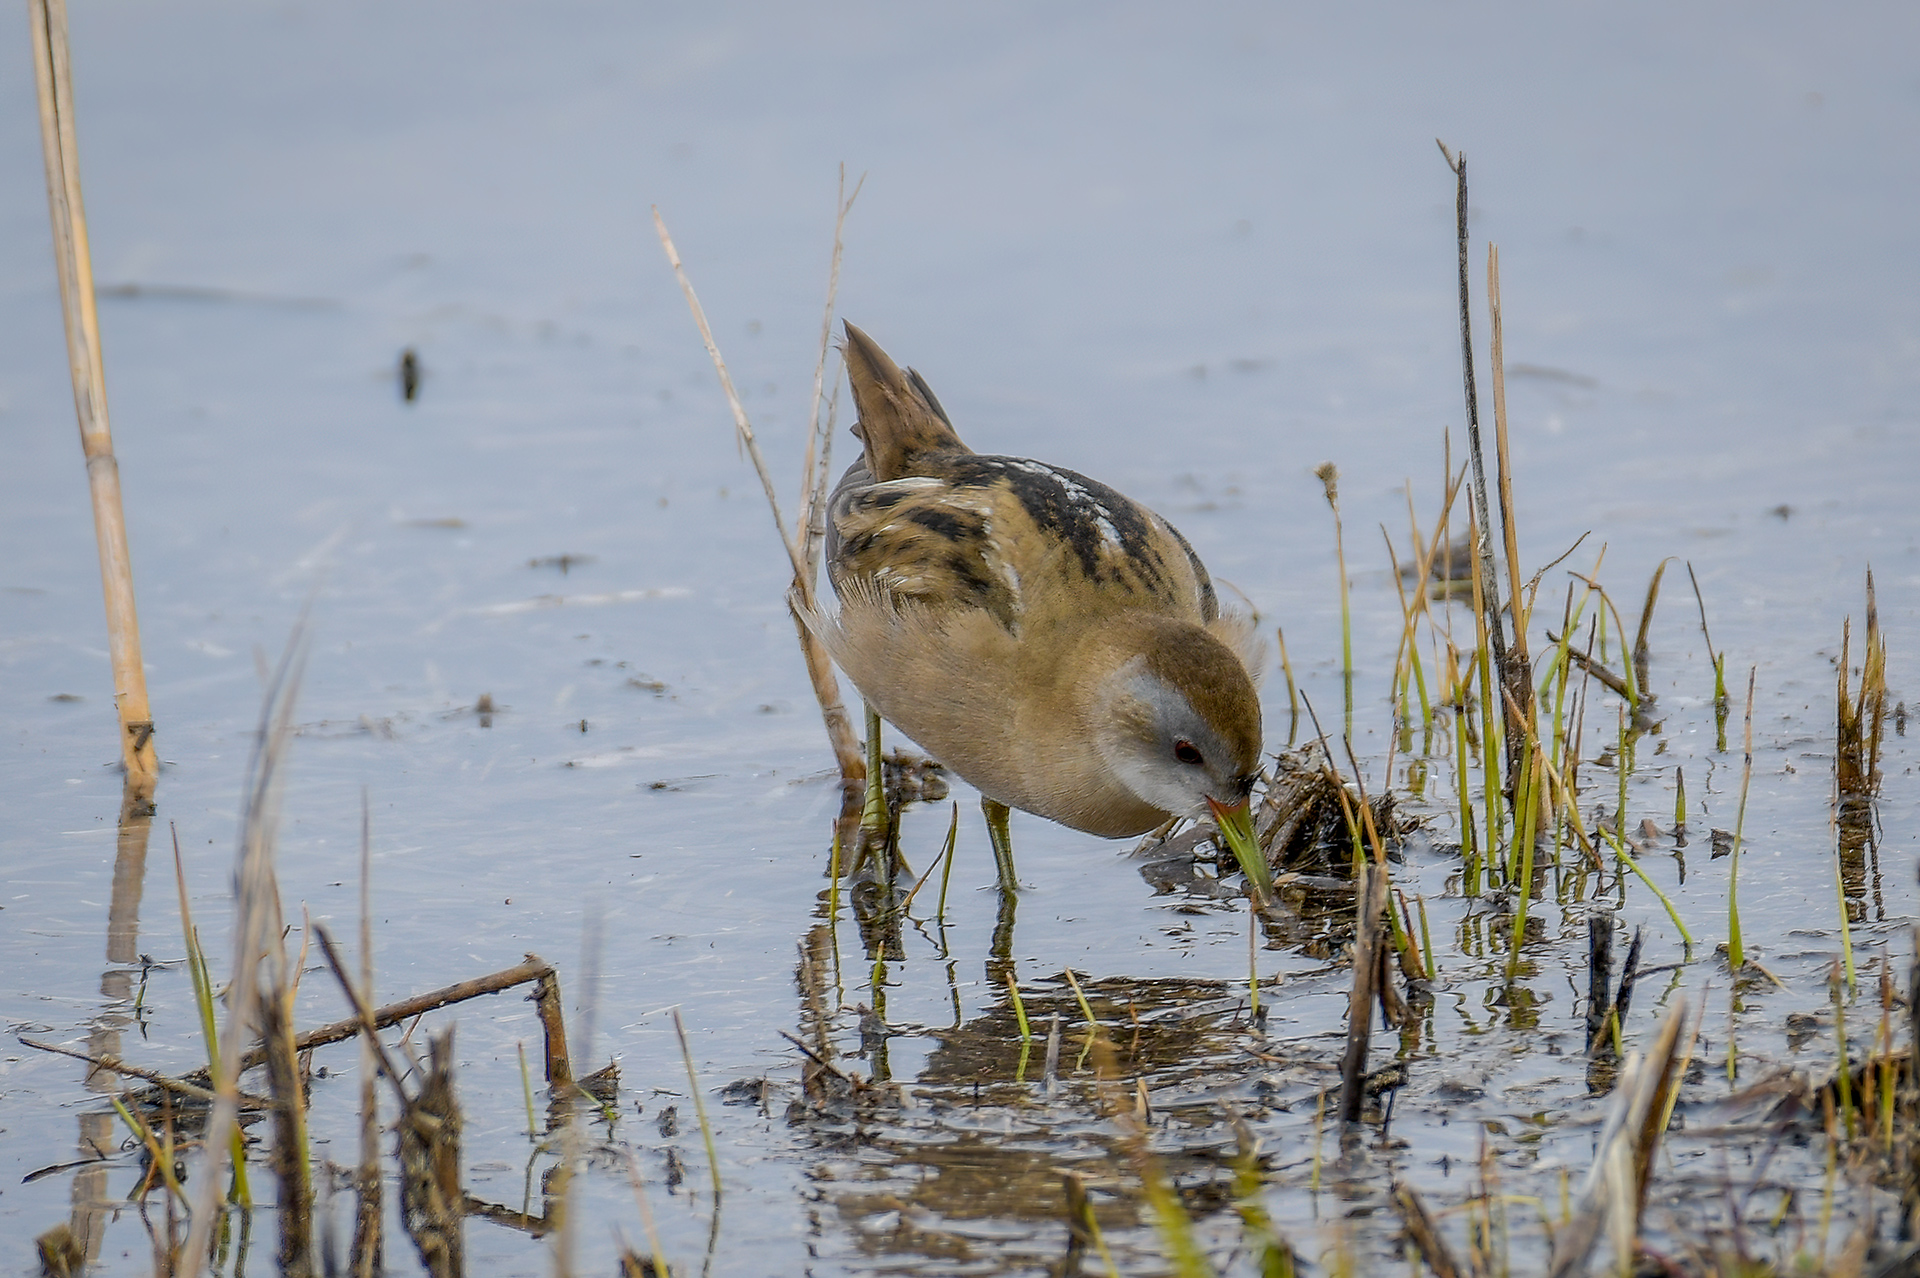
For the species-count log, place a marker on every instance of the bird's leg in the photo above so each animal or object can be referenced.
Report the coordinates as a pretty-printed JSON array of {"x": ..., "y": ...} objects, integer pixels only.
[
  {"x": 1000, "y": 951},
  {"x": 1002, "y": 840}
]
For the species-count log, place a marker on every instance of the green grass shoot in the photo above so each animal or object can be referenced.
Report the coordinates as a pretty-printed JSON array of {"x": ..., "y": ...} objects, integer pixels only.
[{"x": 699, "y": 1104}]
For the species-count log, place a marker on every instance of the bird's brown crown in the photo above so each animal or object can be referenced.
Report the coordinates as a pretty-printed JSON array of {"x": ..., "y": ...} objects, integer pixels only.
[{"x": 1215, "y": 683}]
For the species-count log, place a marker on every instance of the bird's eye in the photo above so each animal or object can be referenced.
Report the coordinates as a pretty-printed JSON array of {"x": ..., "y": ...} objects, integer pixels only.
[{"x": 1185, "y": 752}]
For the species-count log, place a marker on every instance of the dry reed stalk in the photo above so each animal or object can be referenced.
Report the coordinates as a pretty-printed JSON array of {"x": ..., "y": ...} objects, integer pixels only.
[
  {"x": 257, "y": 917},
  {"x": 1293, "y": 692},
  {"x": 803, "y": 544},
  {"x": 816, "y": 469},
  {"x": 1516, "y": 677},
  {"x": 1616, "y": 1185},
  {"x": 54, "y": 75}
]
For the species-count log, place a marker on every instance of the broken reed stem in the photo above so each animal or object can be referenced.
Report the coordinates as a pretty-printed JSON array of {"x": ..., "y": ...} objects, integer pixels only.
[
  {"x": 826, "y": 688},
  {"x": 1599, "y": 978},
  {"x": 1489, "y": 605},
  {"x": 1616, "y": 1184},
  {"x": 256, "y": 917},
  {"x": 73, "y": 261}
]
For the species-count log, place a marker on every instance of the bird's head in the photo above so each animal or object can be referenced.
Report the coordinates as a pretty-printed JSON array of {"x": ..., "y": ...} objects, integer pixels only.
[{"x": 1181, "y": 729}]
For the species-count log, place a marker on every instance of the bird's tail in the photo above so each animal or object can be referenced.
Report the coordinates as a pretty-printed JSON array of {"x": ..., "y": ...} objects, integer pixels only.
[{"x": 899, "y": 417}]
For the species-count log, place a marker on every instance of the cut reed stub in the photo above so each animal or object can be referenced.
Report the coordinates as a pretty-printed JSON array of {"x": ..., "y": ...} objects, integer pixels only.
[
  {"x": 1860, "y": 716},
  {"x": 432, "y": 1204},
  {"x": 409, "y": 375}
]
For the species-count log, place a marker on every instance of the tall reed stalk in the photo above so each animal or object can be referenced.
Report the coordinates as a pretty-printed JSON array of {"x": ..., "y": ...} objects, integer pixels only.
[{"x": 53, "y": 74}]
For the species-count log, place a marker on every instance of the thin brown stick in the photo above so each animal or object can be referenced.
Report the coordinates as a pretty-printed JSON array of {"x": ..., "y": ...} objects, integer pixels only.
[
  {"x": 54, "y": 75},
  {"x": 114, "y": 1065},
  {"x": 534, "y": 969},
  {"x": 365, "y": 1022}
]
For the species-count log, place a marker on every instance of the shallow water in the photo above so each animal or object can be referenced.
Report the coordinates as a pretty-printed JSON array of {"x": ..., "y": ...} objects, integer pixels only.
[{"x": 1193, "y": 256}]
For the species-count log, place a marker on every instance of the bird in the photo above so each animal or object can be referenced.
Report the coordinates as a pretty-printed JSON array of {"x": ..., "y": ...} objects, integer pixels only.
[{"x": 1055, "y": 644}]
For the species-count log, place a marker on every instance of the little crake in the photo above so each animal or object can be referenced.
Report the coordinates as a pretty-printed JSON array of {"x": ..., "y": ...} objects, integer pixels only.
[{"x": 1054, "y": 643}]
